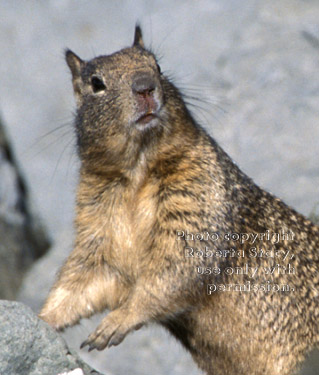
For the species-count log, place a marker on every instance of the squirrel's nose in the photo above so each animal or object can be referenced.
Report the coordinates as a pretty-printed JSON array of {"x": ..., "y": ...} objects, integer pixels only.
[{"x": 143, "y": 84}]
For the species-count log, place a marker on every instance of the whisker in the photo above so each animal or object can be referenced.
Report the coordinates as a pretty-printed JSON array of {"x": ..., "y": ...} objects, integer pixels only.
[
  {"x": 72, "y": 160},
  {"x": 68, "y": 143},
  {"x": 48, "y": 145},
  {"x": 206, "y": 101},
  {"x": 50, "y": 132}
]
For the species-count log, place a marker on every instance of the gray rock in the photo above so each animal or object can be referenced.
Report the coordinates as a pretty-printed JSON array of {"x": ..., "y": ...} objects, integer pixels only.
[
  {"x": 22, "y": 236},
  {"x": 30, "y": 347}
]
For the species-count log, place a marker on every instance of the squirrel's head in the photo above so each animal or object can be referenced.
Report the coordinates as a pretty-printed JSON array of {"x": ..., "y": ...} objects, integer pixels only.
[{"x": 122, "y": 100}]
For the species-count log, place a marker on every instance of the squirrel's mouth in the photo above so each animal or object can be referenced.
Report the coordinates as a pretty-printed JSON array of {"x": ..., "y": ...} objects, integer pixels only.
[{"x": 146, "y": 118}]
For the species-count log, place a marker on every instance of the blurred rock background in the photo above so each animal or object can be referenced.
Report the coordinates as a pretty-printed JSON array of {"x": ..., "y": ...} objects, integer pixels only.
[
  {"x": 254, "y": 65},
  {"x": 22, "y": 234}
]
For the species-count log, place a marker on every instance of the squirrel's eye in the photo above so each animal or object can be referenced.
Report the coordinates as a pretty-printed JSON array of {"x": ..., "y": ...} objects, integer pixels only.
[{"x": 97, "y": 84}]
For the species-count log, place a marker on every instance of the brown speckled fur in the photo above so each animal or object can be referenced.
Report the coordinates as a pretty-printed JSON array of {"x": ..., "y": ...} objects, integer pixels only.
[{"x": 140, "y": 184}]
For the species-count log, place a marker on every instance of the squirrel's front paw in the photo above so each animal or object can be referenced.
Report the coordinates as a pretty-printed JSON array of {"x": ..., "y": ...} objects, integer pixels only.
[
  {"x": 54, "y": 319},
  {"x": 61, "y": 311},
  {"x": 111, "y": 331}
]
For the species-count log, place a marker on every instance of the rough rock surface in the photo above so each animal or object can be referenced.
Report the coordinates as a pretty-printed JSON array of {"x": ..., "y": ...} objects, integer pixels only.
[
  {"x": 30, "y": 347},
  {"x": 255, "y": 61},
  {"x": 22, "y": 236}
]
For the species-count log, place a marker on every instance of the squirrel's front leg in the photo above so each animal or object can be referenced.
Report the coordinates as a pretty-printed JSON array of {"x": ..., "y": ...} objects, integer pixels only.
[
  {"x": 154, "y": 298},
  {"x": 114, "y": 327},
  {"x": 85, "y": 286}
]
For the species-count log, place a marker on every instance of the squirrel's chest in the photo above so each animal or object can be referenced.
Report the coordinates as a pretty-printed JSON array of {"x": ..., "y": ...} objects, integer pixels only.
[
  {"x": 124, "y": 225},
  {"x": 131, "y": 221}
]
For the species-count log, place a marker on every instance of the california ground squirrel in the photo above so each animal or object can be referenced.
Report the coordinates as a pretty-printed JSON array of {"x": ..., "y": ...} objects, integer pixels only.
[{"x": 169, "y": 230}]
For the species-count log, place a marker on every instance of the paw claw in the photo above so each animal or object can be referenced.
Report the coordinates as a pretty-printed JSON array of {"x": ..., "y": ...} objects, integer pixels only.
[
  {"x": 84, "y": 343},
  {"x": 91, "y": 347},
  {"x": 115, "y": 340}
]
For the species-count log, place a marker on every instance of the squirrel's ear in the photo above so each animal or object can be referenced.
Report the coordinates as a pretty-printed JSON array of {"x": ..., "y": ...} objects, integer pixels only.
[
  {"x": 74, "y": 63},
  {"x": 138, "y": 38}
]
